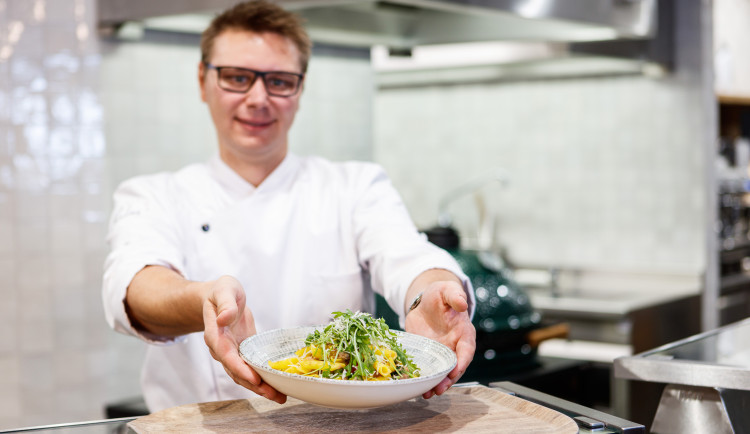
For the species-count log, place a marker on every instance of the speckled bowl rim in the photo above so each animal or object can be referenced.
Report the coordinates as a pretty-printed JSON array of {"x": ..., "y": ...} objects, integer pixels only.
[{"x": 432, "y": 358}]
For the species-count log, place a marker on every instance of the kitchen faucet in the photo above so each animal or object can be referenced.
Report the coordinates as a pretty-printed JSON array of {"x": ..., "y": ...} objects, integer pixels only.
[
  {"x": 485, "y": 232},
  {"x": 498, "y": 174},
  {"x": 554, "y": 284}
]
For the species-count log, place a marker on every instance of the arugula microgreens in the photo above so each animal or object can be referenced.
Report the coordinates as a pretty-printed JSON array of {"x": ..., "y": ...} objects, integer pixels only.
[{"x": 357, "y": 335}]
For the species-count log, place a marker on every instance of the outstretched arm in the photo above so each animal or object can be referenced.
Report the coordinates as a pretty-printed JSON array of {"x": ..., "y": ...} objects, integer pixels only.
[{"x": 162, "y": 302}]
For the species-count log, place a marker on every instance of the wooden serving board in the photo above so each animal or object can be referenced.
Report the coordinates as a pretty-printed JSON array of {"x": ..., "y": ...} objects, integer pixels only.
[{"x": 462, "y": 409}]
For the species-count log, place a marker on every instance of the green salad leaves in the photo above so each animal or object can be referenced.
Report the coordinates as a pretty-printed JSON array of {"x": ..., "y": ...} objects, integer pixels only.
[{"x": 358, "y": 337}]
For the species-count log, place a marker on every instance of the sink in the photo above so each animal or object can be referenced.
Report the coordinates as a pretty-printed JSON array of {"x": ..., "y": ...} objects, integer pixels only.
[
  {"x": 582, "y": 304},
  {"x": 580, "y": 294},
  {"x": 596, "y": 294}
]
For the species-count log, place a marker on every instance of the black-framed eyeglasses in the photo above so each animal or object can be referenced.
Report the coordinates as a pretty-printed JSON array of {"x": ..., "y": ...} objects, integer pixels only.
[{"x": 240, "y": 80}]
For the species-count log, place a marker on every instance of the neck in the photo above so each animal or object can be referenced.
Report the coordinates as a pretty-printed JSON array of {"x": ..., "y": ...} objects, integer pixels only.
[{"x": 254, "y": 171}]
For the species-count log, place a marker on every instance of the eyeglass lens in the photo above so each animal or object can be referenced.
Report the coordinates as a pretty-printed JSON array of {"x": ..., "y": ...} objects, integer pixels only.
[{"x": 241, "y": 80}]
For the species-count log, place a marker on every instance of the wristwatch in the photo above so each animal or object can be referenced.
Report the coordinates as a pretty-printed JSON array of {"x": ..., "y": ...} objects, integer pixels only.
[{"x": 415, "y": 303}]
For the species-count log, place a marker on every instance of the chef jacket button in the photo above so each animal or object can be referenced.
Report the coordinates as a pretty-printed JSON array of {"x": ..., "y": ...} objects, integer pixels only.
[{"x": 205, "y": 227}]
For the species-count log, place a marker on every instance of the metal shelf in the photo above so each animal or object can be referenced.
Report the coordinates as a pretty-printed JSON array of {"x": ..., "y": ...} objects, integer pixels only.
[{"x": 734, "y": 281}]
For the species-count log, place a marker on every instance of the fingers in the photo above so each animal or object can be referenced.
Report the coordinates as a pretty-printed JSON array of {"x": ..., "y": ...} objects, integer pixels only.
[
  {"x": 465, "y": 348},
  {"x": 241, "y": 372},
  {"x": 455, "y": 297},
  {"x": 228, "y": 300},
  {"x": 262, "y": 389},
  {"x": 227, "y": 309},
  {"x": 464, "y": 352},
  {"x": 238, "y": 369},
  {"x": 439, "y": 389},
  {"x": 210, "y": 329},
  {"x": 270, "y": 393},
  {"x": 226, "y": 323},
  {"x": 464, "y": 334}
]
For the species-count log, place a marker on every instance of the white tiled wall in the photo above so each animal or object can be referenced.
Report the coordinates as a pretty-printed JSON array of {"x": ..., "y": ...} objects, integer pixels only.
[
  {"x": 604, "y": 173},
  {"x": 77, "y": 116},
  {"x": 53, "y": 209}
]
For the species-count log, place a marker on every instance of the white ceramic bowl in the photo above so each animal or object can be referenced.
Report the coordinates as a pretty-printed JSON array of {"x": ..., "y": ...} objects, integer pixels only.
[{"x": 433, "y": 359}]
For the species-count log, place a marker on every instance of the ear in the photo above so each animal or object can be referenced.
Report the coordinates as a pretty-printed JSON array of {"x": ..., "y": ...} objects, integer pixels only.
[{"x": 202, "y": 80}]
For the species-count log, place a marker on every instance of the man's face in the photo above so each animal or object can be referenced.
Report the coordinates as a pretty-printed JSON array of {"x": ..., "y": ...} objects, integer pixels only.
[{"x": 252, "y": 127}]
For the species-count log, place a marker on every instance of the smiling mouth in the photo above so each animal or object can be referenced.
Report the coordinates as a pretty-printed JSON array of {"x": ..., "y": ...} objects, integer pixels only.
[{"x": 255, "y": 123}]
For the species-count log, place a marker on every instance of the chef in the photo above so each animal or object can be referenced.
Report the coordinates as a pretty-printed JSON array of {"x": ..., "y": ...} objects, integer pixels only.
[{"x": 259, "y": 238}]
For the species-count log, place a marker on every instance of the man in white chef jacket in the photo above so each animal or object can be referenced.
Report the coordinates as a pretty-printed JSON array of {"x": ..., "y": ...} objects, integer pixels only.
[{"x": 258, "y": 238}]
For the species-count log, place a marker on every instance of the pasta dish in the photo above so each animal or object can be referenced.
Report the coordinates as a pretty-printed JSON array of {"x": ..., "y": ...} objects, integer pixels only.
[{"x": 355, "y": 346}]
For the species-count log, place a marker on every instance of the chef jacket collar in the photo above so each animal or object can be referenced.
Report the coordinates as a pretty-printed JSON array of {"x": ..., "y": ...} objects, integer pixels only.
[{"x": 238, "y": 187}]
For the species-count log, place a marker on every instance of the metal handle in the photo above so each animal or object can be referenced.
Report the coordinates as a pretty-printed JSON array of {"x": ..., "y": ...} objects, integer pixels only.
[{"x": 569, "y": 408}]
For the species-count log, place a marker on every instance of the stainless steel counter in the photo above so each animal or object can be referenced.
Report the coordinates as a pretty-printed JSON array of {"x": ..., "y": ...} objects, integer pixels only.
[
  {"x": 103, "y": 426},
  {"x": 707, "y": 377},
  {"x": 635, "y": 311},
  {"x": 718, "y": 358}
]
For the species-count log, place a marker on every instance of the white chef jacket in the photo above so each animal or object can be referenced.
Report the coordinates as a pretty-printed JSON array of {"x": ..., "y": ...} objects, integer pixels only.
[{"x": 315, "y": 237}]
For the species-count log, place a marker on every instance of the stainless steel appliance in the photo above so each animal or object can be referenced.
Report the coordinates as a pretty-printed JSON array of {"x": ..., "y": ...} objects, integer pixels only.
[
  {"x": 707, "y": 379},
  {"x": 550, "y": 38}
]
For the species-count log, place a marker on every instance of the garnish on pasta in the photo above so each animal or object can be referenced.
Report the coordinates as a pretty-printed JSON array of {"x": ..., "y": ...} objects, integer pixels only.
[{"x": 355, "y": 346}]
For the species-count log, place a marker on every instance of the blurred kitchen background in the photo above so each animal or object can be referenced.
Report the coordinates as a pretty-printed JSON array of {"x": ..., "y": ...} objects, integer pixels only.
[{"x": 626, "y": 178}]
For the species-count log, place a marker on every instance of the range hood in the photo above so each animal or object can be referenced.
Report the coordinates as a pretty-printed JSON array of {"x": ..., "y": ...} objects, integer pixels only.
[{"x": 625, "y": 35}]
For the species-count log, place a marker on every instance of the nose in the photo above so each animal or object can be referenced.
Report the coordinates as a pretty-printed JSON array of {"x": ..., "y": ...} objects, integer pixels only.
[{"x": 257, "y": 92}]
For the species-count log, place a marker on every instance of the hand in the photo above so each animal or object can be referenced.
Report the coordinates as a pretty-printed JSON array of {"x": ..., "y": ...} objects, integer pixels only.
[
  {"x": 443, "y": 315},
  {"x": 227, "y": 322}
]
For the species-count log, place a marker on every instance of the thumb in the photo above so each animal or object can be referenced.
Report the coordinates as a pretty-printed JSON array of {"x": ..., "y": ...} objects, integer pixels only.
[
  {"x": 455, "y": 297},
  {"x": 228, "y": 305}
]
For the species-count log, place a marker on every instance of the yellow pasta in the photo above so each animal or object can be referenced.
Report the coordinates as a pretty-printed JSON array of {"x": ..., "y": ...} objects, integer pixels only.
[
  {"x": 382, "y": 369},
  {"x": 310, "y": 361},
  {"x": 354, "y": 347},
  {"x": 282, "y": 365}
]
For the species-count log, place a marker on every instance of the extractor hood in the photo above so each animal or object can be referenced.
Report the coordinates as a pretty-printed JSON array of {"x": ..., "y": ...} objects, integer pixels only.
[{"x": 634, "y": 34}]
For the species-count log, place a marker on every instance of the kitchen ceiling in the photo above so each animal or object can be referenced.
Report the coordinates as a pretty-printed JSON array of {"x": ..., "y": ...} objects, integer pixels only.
[
  {"x": 407, "y": 23},
  {"x": 635, "y": 31}
]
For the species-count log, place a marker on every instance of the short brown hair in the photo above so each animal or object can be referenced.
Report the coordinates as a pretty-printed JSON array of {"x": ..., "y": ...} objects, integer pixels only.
[{"x": 259, "y": 16}]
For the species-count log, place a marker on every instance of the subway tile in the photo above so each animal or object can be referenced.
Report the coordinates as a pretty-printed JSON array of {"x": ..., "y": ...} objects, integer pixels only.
[
  {"x": 94, "y": 235},
  {"x": 65, "y": 208},
  {"x": 70, "y": 369},
  {"x": 31, "y": 40},
  {"x": 62, "y": 38},
  {"x": 61, "y": 71},
  {"x": 8, "y": 289},
  {"x": 5, "y": 102},
  {"x": 10, "y": 407},
  {"x": 60, "y": 140},
  {"x": 7, "y": 238},
  {"x": 36, "y": 337},
  {"x": 68, "y": 269},
  {"x": 29, "y": 108},
  {"x": 96, "y": 330},
  {"x": 32, "y": 237},
  {"x": 56, "y": 13},
  {"x": 32, "y": 273},
  {"x": 8, "y": 330},
  {"x": 30, "y": 207},
  {"x": 74, "y": 403}
]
